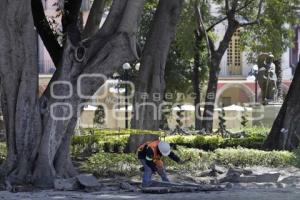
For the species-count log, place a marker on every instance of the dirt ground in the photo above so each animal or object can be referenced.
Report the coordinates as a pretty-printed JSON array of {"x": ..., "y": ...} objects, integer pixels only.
[
  {"x": 232, "y": 194},
  {"x": 245, "y": 191}
]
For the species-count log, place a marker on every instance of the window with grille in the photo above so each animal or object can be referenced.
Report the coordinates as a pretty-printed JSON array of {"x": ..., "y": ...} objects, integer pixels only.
[{"x": 234, "y": 55}]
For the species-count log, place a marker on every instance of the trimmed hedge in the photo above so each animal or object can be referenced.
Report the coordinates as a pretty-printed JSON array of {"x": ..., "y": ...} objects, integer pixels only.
[
  {"x": 121, "y": 132},
  {"x": 102, "y": 141},
  {"x": 243, "y": 157},
  {"x": 110, "y": 164}
]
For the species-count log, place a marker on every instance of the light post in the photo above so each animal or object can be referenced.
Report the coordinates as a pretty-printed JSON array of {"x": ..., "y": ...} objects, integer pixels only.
[{"x": 126, "y": 67}]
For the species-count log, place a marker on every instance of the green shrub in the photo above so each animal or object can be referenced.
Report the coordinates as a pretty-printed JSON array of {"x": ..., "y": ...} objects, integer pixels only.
[
  {"x": 257, "y": 131},
  {"x": 2, "y": 152},
  {"x": 111, "y": 164},
  {"x": 186, "y": 141},
  {"x": 247, "y": 142},
  {"x": 250, "y": 157},
  {"x": 297, "y": 157},
  {"x": 89, "y": 144},
  {"x": 109, "y": 132},
  {"x": 200, "y": 160},
  {"x": 99, "y": 140}
]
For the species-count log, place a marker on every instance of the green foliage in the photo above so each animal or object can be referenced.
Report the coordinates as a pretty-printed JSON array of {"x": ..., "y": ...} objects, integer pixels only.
[
  {"x": 209, "y": 143},
  {"x": 200, "y": 160},
  {"x": 254, "y": 138},
  {"x": 275, "y": 31},
  {"x": 257, "y": 131},
  {"x": 121, "y": 132},
  {"x": 2, "y": 152},
  {"x": 297, "y": 157},
  {"x": 181, "y": 55},
  {"x": 244, "y": 121},
  {"x": 251, "y": 157},
  {"x": 145, "y": 24},
  {"x": 101, "y": 140},
  {"x": 110, "y": 164},
  {"x": 99, "y": 119},
  {"x": 97, "y": 140}
]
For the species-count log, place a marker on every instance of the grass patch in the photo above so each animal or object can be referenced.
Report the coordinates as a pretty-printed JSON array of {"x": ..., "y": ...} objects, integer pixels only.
[{"x": 115, "y": 141}]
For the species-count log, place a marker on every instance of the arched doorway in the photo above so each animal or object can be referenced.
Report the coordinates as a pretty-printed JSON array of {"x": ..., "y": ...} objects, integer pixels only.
[{"x": 234, "y": 93}]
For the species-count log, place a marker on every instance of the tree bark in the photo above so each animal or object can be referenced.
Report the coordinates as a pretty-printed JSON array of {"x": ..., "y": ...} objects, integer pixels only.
[
  {"x": 279, "y": 78},
  {"x": 211, "y": 92},
  {"x": 285, "y": 132},
  {"x": 70, "y": 19},
  {"x": 38, "y": 143},
  {"x": 151, "y": 81},
  {"x": 19, "y": 82},
  {"x": 44, "y": 30},
  {"x": 216, "y": 57},
  {"x": 94, "y": 19},
  {"x": 196, "y": 81}
]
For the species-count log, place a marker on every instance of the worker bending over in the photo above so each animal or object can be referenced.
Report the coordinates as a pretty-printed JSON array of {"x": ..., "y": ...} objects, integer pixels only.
[{"x": 150, "y": 155}]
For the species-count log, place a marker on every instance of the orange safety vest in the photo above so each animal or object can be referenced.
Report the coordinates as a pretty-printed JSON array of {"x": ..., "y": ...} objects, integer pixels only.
[{"x": 156, "y": 155}]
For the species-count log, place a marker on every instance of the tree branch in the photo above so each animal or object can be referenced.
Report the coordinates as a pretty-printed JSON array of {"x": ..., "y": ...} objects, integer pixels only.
[
  {"x": 225, "y": 18},
  {"x": 44, "y": 30},
  {"x": 201, "y": 28},
  {"x": 232, "y": 27},
  {"x": 226, "y": 6},
  {"x": 70, "y": 20},
  {"x": 257, "y": 17},
  {"x": 234, "y": 5},
  {"x": 94, "y": 19}
]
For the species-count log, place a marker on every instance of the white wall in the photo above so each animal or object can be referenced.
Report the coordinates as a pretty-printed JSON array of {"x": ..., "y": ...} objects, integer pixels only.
[{"x": 286, "y": 70}]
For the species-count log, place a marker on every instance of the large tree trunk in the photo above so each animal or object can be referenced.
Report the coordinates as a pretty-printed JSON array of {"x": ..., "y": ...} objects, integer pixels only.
[
  {"x": 279, "y": 78},
  {"x": 19, "y": 82},
  {"x": 285, "y": 133},
  {"x": 94, "y": 19},
  {"x": 214, "y": 68},
  {"x": 211, "y": 92},
  {"x": 151, "y": 79},
  {"x": 39, "y": 131},
  {"x": 196, "y": 81}
]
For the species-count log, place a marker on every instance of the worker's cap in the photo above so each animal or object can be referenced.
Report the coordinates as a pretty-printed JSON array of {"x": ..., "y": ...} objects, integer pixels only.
[{"x": 164, "y": 148}]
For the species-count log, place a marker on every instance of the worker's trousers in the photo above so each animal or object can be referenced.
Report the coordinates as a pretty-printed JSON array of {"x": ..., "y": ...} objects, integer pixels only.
[{"x": 147, "y": 176}]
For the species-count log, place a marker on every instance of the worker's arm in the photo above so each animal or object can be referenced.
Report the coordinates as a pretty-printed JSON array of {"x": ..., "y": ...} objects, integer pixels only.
[
  {"x": 149, "y": 159},
  {"x": 174, "y": 157}
]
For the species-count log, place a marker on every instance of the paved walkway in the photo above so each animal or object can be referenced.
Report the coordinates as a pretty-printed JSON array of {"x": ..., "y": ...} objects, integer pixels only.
[{"x": 255, "y": 194}]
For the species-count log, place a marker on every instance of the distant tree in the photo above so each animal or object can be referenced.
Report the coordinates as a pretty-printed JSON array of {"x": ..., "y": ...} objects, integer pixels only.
[
  {"x": 236, "y": 14},
  {"x": 191, "y": 41},
  {"x": 151, "y": 78},
  {"x": 274, "y": 33}
]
